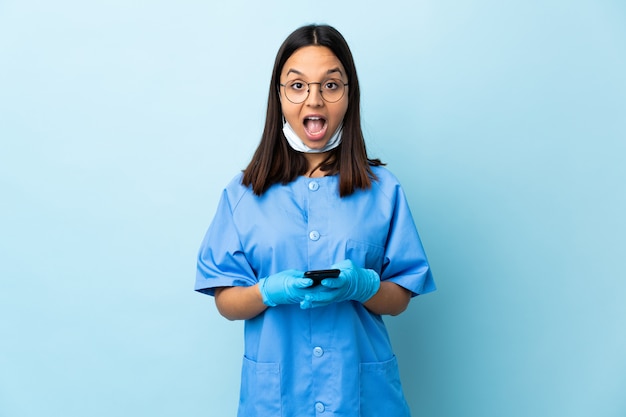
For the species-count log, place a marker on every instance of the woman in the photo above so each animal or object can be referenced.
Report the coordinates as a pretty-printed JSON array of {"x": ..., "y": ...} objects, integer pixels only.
[{"x": 312, "y": 199}]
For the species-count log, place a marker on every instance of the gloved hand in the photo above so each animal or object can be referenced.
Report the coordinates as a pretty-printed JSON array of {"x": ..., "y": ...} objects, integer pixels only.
[
  {"x": 285, "y": 287},
  {"x": 353, "y": 283}
]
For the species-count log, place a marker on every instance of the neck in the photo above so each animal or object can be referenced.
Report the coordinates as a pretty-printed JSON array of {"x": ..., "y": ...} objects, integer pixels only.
[{"x": 314, "y": 160}]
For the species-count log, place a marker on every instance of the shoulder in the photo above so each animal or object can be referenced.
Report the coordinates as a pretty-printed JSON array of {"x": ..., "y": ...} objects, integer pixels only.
[
  {"x": 386, "y": 182},
  {"x": 235, "y": 191},
  {"x": 384, "y": 175}
]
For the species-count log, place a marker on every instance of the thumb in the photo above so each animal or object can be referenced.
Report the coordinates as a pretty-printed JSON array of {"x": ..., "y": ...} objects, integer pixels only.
[
  {"x": 333, "y": 282},
  {"x": 302, "y": 282}
]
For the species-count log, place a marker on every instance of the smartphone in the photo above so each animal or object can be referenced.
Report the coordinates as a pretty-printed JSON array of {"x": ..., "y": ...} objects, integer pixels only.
[{"x": 319, "y": 274}]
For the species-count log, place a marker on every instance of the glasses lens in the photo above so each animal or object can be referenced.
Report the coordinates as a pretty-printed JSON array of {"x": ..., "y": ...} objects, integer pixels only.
[
  {"x": 296, "y": 91},
  {"x": 332, "y": 90}
]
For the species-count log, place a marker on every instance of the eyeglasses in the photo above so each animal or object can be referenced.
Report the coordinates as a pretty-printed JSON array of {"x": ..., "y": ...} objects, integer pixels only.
[{"x": 331, "y": 90}]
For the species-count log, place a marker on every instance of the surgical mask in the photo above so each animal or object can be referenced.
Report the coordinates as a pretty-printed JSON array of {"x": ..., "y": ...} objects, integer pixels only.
[{"x": 296, "y": 143}]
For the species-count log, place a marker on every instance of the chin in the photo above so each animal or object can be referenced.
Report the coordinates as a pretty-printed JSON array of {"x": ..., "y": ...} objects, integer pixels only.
[{"x": 316, "y": 145}]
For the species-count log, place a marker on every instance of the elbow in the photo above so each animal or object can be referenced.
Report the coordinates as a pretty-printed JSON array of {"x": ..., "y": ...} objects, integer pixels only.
[
  {"x": 391, "y": 300},
  {"x": 228, "y": 316},
  {"x": 235, "y": 313},
  {"x": 399, "y": 309},
  {"x": 229, "y": 313},
  {"x": 239, "y": 303},
  {"x": 388, "y": 309}
]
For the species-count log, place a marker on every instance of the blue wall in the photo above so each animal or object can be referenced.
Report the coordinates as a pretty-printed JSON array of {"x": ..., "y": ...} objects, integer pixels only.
[{"x": 120, "y": 122}]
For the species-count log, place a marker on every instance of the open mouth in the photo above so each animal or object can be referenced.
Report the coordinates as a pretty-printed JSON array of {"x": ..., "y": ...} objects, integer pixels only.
[{"x": 315, "y": 127}]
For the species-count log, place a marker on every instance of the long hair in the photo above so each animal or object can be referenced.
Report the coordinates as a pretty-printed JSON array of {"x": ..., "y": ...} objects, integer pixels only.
[{"x": 276, "y": 162}]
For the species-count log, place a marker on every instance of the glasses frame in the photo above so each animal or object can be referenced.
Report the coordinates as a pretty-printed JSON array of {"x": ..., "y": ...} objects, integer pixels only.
[{"x": 308, "y": 91}]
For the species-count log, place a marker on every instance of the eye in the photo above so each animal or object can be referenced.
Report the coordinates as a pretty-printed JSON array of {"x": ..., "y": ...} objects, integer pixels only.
[
  {"x": 331, "y": 85},
  {"x": 297, "y": 85}
]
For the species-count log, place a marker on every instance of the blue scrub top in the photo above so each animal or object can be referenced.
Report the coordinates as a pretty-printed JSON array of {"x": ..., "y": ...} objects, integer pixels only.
[{"x": 329, "y": 361}]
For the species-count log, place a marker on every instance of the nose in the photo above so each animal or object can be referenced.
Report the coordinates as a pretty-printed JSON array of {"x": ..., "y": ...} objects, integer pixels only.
[{"x": 315, "y": 95}]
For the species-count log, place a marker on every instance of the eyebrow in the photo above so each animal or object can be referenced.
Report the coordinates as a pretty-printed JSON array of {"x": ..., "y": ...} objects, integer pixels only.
[{"x": 330, "y": 71}]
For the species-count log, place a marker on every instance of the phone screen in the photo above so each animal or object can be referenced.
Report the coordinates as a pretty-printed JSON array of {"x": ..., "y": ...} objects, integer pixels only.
[{"x": 319, "y": 274}]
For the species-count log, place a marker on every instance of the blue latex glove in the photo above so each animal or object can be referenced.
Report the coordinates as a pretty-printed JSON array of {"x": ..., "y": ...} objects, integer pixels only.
[
  {"x": 285, "y": 287},
  {"x": 353, "y": 283}
]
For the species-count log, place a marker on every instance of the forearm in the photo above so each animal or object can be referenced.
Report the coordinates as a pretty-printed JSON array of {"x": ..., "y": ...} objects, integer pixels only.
[
  {"x": 242, "y": 303},
  {"x": 239, "y": 303},
  {"x": 391, "y": 299}
]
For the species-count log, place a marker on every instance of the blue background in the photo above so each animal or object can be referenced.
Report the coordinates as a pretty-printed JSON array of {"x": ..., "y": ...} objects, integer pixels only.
[{"x": 120, "y": 123}]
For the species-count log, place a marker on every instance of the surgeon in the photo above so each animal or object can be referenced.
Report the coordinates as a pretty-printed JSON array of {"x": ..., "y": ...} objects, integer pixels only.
[{"x": 312, "y": 199}]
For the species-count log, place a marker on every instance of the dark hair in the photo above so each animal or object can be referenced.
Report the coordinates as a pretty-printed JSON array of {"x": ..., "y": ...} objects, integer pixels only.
[{"x": 276, "y": 162}]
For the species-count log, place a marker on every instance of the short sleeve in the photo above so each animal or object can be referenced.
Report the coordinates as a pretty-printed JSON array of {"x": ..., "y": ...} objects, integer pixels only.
[
  {"x": 221, "y": 260},
  {"x": 405, "y": 261}
]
